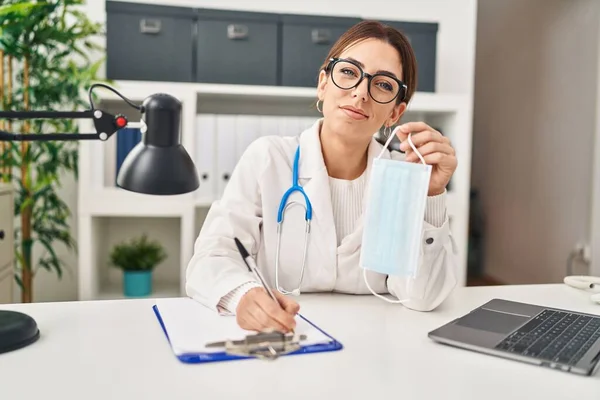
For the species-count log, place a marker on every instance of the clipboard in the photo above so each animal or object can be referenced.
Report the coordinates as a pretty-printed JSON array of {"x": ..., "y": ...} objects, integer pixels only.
[{"x": 194, "y": 333}]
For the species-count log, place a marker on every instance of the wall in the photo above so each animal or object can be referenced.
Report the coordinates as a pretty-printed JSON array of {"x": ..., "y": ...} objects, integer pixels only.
[
  {"x": 47, "y": 286},
  {"x": 456, "y": 43},
  {"x": 595, "y": 218},
  {"x": 534, "y": 125}
]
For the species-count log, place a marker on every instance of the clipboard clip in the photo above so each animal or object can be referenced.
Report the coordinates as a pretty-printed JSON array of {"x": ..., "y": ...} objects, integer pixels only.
[{"x": 263, "y": 345}]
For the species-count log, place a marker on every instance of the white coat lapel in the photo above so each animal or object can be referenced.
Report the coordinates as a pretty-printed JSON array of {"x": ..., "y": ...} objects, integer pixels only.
[
  {"x": 314, "y": 179},
  {"x": 321, "y": 248}
]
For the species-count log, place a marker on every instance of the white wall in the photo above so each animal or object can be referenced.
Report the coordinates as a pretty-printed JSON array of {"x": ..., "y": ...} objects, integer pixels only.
[
  {"x": 595, "y": 218},
  {"x": 534, "y": 126},
  {"x": 47, "y": 286},
  {"x": 456, "y": 42}
]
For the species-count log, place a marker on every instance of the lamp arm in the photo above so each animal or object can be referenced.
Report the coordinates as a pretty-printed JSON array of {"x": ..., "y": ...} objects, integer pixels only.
[
  {"x": 46, "y": 114},
  {"x": 106, "y": 124},
  {"x": 23, "y": 137}
]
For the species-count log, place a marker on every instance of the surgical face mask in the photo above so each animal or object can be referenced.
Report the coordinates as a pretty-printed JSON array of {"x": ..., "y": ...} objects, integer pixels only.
[{"x": 393, "y": 222}]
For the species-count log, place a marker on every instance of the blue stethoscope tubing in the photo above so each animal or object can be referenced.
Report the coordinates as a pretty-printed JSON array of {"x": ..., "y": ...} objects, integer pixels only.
[{"x": 283, "y": 205}]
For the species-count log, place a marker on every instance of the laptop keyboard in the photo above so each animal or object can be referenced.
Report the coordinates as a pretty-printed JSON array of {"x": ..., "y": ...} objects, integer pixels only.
[{"x": 557, "y": 336}]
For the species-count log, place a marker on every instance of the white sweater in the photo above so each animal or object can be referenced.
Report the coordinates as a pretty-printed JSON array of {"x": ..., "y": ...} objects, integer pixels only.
[{"x": 347, "y": 203}]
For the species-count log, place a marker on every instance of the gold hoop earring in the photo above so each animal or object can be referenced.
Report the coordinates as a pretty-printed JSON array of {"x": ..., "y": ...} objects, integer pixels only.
[{"x": 319, "y": 109}]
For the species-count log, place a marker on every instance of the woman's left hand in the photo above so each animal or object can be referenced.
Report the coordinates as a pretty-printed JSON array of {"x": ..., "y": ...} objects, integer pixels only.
[{"x": 435, "y": 149}]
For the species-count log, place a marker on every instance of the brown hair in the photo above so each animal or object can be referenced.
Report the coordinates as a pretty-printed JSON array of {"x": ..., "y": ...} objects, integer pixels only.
[{"x": 376, "y": 30}]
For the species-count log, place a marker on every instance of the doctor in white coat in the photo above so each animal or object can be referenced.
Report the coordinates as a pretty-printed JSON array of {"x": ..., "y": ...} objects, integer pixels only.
[{"x": 366, "y": 82}]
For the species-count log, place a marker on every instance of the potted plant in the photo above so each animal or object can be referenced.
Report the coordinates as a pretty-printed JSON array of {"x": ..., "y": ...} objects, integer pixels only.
[
  {"x": 137, "y": 259},
  {"x": 48, "y": 58}
]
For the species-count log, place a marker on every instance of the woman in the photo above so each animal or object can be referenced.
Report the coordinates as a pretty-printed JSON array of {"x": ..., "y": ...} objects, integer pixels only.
[{"x": 333, "y": 169}]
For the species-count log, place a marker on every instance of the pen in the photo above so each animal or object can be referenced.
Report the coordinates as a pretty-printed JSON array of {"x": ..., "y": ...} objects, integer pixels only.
[
  {"x": 252, "y": 267},
  {"x": 249, "y": 261}
]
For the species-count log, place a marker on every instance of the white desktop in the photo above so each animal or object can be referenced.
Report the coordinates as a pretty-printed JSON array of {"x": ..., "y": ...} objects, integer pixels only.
[{"x": 116, "y": 349}]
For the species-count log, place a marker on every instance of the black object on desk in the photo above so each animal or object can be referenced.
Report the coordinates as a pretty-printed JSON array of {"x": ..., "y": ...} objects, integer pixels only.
[{"x": 17, "y": 330}]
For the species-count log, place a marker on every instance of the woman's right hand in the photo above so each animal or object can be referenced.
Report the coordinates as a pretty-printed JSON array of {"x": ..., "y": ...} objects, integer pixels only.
[{"x": 256, "y": 311}]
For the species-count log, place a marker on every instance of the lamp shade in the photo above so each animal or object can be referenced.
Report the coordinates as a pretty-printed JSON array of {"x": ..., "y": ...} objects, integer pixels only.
[{"x": 159, "y": 164}]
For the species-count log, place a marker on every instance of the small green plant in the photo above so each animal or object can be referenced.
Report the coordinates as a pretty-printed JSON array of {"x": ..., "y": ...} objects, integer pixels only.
[{"x": 139, "y": 254}]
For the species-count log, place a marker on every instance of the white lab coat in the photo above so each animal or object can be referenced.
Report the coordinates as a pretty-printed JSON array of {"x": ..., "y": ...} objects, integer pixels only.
[{"x": 248, "y": 210}]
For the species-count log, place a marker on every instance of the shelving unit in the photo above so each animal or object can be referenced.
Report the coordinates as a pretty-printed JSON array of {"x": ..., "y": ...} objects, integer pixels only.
[
  {"x": 101, "y": 202},
  {"x": 106, "y": 212}
]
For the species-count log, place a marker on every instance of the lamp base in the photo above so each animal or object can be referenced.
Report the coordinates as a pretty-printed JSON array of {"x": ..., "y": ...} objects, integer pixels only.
[{"x": 17, "y": 330}]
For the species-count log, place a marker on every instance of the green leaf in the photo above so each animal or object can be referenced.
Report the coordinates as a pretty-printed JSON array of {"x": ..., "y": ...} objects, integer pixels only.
[
  {"x": 138, "y": 254},
  {"x": 23, "y": 9},
  {"x": 19, "y": 281},
  {"x": 52, "y": 261},
  {"x": 64, "y": 57}
]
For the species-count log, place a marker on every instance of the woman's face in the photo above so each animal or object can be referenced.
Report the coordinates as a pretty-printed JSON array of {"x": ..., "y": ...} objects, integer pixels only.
[{"x": 352, "y": 112}]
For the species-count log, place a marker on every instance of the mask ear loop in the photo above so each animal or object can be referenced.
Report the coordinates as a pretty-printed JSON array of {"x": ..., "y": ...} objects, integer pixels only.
[
  {"x": 387, "y": 143},
  {"x": 410, "y": 142}
]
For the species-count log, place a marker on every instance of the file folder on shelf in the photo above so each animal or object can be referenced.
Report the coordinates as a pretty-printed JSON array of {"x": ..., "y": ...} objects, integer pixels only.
[
  {"x": 127, "y": 139},
  {"x": 190, "y": 329}
]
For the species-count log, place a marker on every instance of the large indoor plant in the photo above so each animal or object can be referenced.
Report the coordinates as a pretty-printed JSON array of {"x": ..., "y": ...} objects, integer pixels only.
[
  {"x": 46, "y": 53},
  {"x": 137, "y": 259}
]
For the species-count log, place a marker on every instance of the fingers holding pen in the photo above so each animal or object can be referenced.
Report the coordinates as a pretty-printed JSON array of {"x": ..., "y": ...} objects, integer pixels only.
[{"x": 258, "y": 312}]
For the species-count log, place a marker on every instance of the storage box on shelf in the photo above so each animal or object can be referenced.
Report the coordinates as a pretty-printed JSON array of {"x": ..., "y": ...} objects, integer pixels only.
[
  {"x": 305, "y": 42},
  {"x": 158, "y": 38}
]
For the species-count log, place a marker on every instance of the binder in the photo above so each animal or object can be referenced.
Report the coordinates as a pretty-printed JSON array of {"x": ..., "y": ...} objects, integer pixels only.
[
  {"x": 127, "y": 139},
  {"x": 189, "y": 326},
  {"x": 205, "y": 159}
]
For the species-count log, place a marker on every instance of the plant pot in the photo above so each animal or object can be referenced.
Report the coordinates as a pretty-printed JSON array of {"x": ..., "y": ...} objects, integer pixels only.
[{"x": 137, "y": 283}]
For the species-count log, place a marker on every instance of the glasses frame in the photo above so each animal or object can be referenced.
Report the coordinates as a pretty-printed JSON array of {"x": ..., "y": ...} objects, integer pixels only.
[{"x": 333, "y": 61}]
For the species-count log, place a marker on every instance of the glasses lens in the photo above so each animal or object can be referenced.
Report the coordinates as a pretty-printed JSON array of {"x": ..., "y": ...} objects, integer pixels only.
[
  {"x": 346, "y": 75},
  {"x": 383, "y": 89}
]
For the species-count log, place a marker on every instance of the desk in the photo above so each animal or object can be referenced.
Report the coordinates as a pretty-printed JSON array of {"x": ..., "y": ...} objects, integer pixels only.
[{"x": 116, "y": 350}]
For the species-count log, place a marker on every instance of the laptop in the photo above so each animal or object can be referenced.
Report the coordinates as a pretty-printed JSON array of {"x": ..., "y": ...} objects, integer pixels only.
[{"x": 561, "y": 339}]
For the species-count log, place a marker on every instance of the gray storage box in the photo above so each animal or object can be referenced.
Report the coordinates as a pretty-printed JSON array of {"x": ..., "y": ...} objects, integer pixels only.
[
  {"x": 423, "y": 38},
  {"x": 306, "y": 41},
  {"x": 237, "y": 47},
  {"x": 149, "y": 42}
]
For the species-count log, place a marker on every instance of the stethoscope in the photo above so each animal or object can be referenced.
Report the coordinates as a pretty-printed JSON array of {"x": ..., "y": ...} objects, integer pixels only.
[
  {"x": 587, "y": 283},
  {"x": 280, "y": 213}
]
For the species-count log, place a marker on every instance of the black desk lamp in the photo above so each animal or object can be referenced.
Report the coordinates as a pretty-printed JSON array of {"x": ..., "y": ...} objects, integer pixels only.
[{"x": 158, "y": 165}]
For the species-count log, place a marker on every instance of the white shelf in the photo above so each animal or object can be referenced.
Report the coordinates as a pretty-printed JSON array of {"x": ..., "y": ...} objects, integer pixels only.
[
  {"x": 117, "y": 202},
  {"x": 138, "y": 90},
  {"x": 434, "y": 103},
  {"x": 159, "y": 290}
]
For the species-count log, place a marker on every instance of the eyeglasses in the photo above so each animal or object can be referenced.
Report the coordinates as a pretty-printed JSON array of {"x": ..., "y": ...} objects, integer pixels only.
[{"x": 383, "y": 88}]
